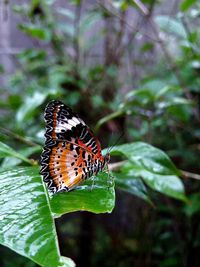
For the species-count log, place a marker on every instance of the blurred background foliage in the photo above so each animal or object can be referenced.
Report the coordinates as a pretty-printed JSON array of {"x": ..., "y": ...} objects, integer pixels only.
[{"x": 128, "y": 67}]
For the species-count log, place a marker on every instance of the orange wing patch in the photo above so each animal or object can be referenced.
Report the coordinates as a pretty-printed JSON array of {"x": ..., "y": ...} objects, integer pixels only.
[{"x": 66, "y": 166}]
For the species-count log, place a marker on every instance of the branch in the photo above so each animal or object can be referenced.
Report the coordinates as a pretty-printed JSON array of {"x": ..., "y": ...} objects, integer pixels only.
[
  {"x": 142, "y": 7},
  {"x": 20, "y": 138},
  {"x": 186, "y": 174},
  {"x": 77, "y": 33},
  {"x": 135, "y": 29},
  {"x": 116, "y": 166}
]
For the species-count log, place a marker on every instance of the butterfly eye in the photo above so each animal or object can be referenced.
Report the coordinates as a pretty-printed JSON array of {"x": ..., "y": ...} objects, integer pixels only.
[{"x": 107, "y": 157}]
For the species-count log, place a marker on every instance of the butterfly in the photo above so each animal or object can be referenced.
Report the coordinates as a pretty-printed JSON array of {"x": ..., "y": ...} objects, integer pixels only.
[{"x": 71, "y": 153}]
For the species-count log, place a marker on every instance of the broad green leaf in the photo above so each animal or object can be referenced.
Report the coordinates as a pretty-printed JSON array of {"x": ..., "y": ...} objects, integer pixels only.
[
  {"x": 26, "y": 224},
  {"x": 155, "y": 84},
  {"x": 148, "y": 157},
  {"x": 141, "y": 96},
  {"x": 170, "y": 185},
  {"x": 27, "y": 212},
  {"x": 186, "y": 4},
  {"x": 154, "y": 166},
  {"x": 131, "y": 184},
  {"x": 182, "y": 112},
  {"x": 96, "y": 196},
  {"x": 6, "y": 151},
  {"x": 170, "y": 25}
]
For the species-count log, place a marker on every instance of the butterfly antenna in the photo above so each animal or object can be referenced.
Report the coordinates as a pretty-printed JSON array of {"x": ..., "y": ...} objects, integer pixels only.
[
  {"x": 108, "y": 148},
  {"x": 116, "y": 142}
]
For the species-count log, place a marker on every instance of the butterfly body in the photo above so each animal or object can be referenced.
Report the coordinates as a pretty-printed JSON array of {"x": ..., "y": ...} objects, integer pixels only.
[{"x": 71, "y": 153}]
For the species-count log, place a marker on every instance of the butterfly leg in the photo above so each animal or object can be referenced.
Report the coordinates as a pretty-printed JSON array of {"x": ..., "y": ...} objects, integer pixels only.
[
  {"x": 93, "y": 183},
  {"x": 110, "y": 177}
]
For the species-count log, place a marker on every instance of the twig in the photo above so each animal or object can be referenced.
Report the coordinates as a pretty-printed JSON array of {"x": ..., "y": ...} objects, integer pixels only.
[
  {"x": 116, "y": 166},
  {"x": 142, "y": 7},
  {"x": 77, "y": 33},
  {"x": 136, "y": 30},
  {"x": 17, "y": 137},
  {"x": 186, "y": 174}
]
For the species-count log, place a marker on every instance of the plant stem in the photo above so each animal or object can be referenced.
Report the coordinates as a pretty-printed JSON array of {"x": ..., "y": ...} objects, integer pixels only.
[
  {"x": 186, "y": 174},
  {"x": 8, "y": 132}
]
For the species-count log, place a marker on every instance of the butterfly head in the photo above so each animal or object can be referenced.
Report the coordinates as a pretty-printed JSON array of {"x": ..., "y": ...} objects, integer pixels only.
[{"x": 106, "y": 159}]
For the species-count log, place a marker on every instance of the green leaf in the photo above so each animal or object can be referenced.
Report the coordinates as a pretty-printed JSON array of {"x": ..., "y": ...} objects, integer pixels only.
[
  {"x": 6, "y": 151},
  {"x": 170, "y": 185},
  {"x": 148, "y": 157},
  {"x": 186, "y": 4},
  {"x": 182, "y": 112},
  {"x": 171, "y": 25},
  {"x": 131, "y": 184},
  {"x": 27, "y": 213},
  {"x": 95, "y": 196},
  {"x": 154, "y": 166},
  {"x": 26, "y": 224},
  {"x": 36, "y": 32},
  {"x": 142, "y": 96}
]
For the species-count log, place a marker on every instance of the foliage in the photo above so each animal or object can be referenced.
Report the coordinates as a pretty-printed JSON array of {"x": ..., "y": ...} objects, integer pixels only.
[
  {"x": 154, "y": 102},
  {"x": 32, "y": 208}
]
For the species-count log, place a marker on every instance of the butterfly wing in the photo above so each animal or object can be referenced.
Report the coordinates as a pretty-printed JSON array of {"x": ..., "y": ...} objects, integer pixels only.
[{"x": 71, "y": 153}]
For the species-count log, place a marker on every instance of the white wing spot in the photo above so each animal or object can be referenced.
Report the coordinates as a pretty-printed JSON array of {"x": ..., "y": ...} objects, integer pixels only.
[
  {"x": 76, "y": 120},
  {"x": 72, "y": 122},
  {"x": 64, "y": 126}
]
